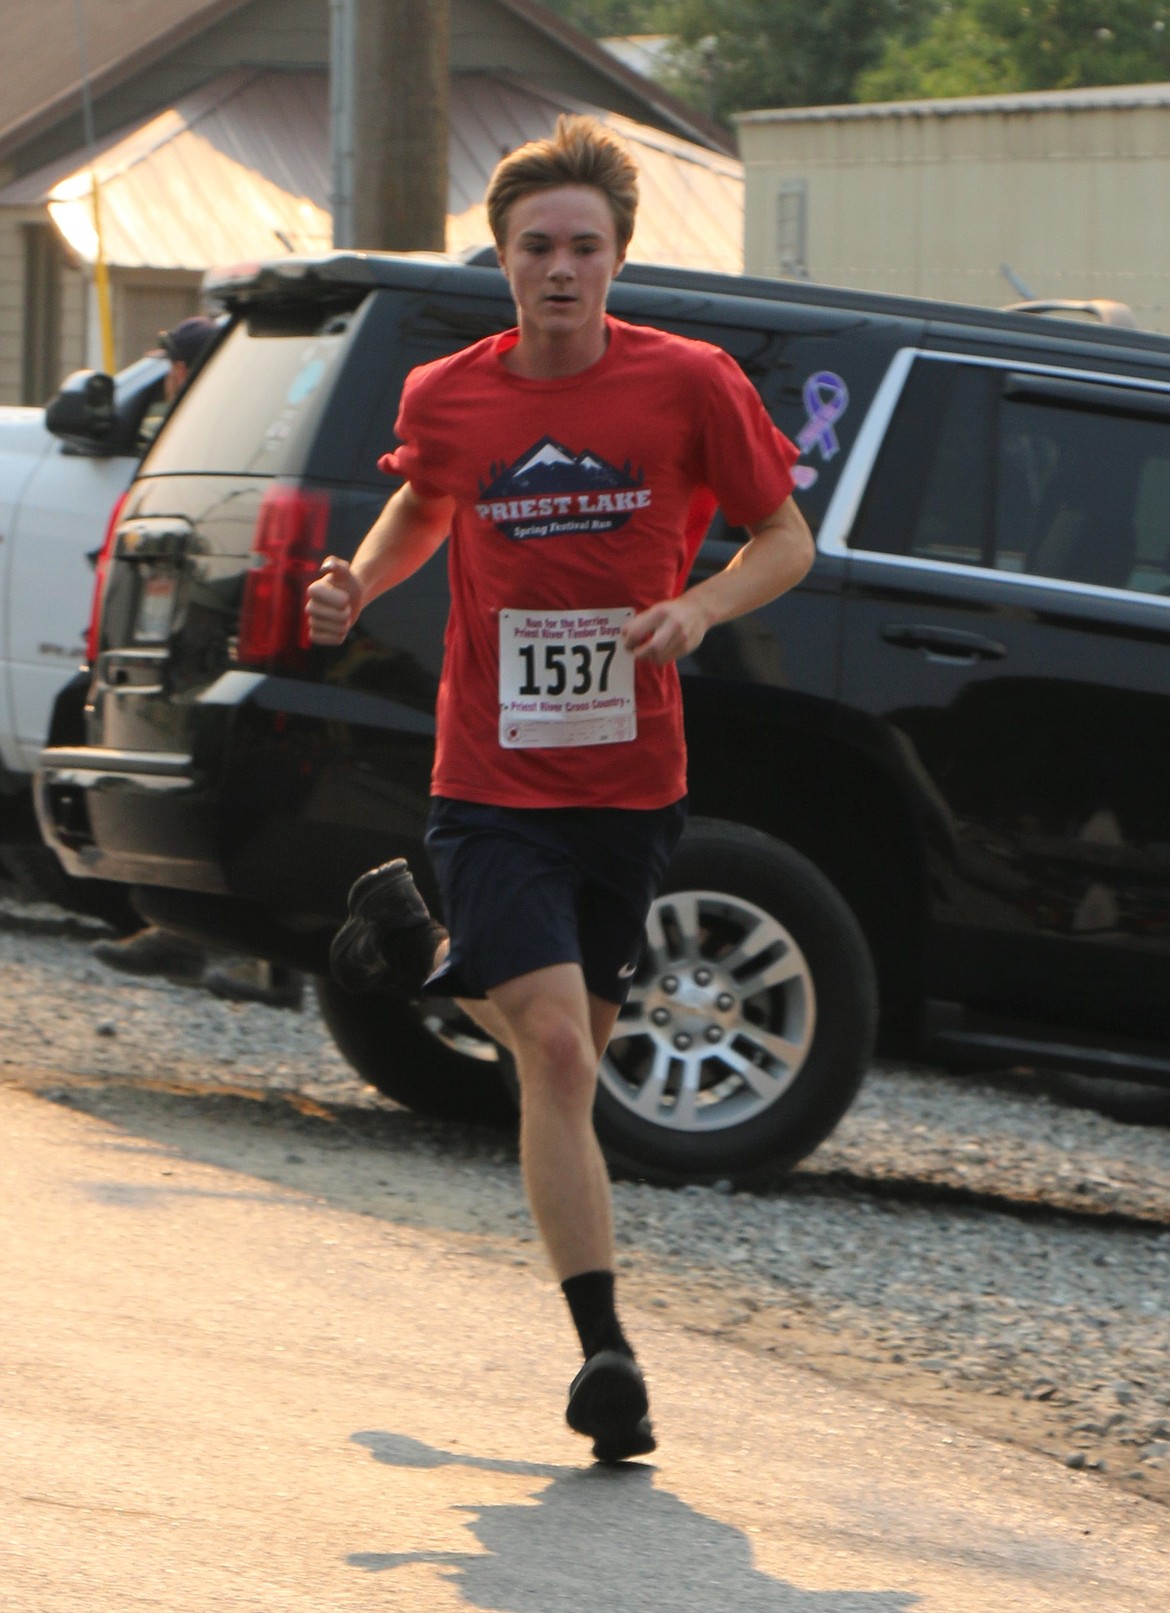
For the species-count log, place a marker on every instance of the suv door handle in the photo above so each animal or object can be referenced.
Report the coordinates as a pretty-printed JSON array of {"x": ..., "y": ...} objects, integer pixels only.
[{"x": 944, "y": 643}]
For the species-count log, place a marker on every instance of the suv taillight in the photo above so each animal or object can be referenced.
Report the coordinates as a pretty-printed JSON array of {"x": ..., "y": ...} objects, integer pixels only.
[
  {"x": 101, "y": 571},
  {"x": 287, "y": 549}
]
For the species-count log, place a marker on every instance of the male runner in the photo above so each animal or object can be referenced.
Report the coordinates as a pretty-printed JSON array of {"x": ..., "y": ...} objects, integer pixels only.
[{"x": 576, "y": 462}]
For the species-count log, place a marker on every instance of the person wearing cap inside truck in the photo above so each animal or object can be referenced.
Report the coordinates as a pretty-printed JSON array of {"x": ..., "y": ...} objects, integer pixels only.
[
  {"x": 576, "y": 463},
  {"x": 184, "y": 346}
]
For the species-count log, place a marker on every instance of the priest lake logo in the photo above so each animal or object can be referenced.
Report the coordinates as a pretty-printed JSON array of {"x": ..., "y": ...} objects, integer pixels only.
[{"x": 551, "y": 491}]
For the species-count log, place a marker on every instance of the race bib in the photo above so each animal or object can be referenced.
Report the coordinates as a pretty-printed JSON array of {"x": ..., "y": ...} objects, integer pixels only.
[{"x": 565, "y": 678}]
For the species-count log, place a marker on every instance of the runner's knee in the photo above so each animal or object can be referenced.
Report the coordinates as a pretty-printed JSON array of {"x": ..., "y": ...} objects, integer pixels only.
[{"x": 555, "y": 1053}]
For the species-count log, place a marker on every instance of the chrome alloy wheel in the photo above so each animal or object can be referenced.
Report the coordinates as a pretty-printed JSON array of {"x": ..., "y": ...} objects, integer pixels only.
[{"x": 720, "y": 1018}]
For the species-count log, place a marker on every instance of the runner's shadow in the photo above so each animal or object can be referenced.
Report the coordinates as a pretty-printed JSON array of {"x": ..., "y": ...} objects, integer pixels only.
[{"x": 608, "y": 1535}]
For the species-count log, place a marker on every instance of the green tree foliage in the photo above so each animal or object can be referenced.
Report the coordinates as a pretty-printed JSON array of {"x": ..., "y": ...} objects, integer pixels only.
[
  {"x": 735, "y": 55},
  {"x": 746, "y": 54},
  {"x": 738, "y": 54},
  {"x": 979, "y": 47}
]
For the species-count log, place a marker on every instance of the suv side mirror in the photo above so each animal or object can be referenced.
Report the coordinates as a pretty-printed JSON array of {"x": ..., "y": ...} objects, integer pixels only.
[{"x": 82, "y": 413}]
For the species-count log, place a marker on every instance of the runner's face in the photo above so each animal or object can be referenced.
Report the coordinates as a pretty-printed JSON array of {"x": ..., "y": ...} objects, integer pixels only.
[{"x": 560, "y": 255}]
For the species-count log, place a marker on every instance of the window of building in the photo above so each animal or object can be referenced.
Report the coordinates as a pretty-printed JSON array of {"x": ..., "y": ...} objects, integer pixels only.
[
  {"x": 792, "y": 228},
  {"x": 41, "y": 365}
]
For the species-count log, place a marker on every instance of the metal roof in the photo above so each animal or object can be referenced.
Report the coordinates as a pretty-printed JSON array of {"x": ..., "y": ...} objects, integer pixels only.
[
  {"x": 126, "y": 38},
  {"x": 1115, "y": 97},
  {"x": 684, "y": 118},
  {"x": 691, "y": 207},
  {"x": 642, "y": 53},
  {"x": 240, "y": 169},
  {"x": 122, "y": 36}
]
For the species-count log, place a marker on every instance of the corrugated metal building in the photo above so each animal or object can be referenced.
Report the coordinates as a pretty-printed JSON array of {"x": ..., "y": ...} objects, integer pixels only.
[
  {"x": 240, "y": 169},
  {"x": 1068, "y": 189}
]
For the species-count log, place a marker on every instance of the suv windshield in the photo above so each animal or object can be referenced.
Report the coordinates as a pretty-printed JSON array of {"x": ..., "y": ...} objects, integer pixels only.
[{"x": 251, "y": 409}]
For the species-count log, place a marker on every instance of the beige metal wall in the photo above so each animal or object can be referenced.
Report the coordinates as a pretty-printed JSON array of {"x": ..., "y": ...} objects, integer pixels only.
[
  {"x": 144, "y": 302},
  {"x": 72, "y": 307},
  {"x": 11, "y": 303},
  {"x": 1075, "y": 201}
]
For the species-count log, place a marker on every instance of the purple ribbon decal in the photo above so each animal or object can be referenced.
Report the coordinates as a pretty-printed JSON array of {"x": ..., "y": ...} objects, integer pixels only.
[{"x": 826, "y": 397}]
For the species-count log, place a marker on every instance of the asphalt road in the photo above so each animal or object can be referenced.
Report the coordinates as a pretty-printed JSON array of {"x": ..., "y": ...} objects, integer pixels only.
[{"x": 221, "y": 1393}]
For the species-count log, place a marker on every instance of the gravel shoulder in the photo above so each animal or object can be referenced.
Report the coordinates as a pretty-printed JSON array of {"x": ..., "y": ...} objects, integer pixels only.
[{"x": 967, "y": 1247}]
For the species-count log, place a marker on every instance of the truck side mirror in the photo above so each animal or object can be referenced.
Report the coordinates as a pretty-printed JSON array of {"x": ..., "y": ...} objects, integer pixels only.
[{"x": 82, "y": 412}]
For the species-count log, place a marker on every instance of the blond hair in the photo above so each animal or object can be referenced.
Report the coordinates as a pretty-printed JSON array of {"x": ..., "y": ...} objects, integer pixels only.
[{"x": 581, "y": 151}]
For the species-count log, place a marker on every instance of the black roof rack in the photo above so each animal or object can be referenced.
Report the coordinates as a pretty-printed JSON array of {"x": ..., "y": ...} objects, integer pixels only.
[{"x": 338, "y": 276}]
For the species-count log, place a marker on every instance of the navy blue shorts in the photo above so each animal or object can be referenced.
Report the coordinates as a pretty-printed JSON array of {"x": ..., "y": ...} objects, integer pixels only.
[{"x": 527, "y": 887}]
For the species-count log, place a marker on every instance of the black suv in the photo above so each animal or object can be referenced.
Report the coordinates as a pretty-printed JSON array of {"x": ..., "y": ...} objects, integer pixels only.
[{"x": 934, "y": 781}]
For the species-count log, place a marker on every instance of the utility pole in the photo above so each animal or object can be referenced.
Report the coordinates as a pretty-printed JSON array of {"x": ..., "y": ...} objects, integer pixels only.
[{"x": 389, "y": 116}]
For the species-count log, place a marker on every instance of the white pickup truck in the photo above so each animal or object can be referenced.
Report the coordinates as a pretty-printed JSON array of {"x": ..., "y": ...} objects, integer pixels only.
[{"x": 62, "y": 469}]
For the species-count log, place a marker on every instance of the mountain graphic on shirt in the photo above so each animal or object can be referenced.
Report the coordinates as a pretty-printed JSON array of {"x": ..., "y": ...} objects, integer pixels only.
[{"x": 549, "y": 491}]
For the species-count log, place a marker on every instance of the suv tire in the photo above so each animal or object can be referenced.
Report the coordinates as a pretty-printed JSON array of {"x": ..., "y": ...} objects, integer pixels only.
[
  {"x": 753, "y": 962},
  {"x": 391, "y": 1046}
]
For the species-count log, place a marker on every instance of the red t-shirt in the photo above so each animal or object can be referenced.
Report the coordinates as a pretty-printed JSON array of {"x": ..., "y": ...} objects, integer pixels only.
[{"x": 576, "y": 497}]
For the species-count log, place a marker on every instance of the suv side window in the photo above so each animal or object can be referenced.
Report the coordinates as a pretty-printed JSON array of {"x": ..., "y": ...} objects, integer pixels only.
[
  {"x": 928, "y": 495},
  {"x": 1084, "y": 496},
  {"x": 1151, "y": 572},
  {"x": 984, "y": 468}
]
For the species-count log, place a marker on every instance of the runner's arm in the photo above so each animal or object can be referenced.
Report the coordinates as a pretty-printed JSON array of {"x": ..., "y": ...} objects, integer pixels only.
[
  {"x": 405, "y": 536},
  {"x": 775, "y": 558}
]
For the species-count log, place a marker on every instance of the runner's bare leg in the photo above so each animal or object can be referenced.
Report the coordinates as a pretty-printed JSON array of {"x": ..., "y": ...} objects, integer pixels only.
[
  {"x": 602, "y": 1017},
  {"x": 488, "y": 1017},
  {"x": 602, "y": 1014},
  {"x": 556, "y": 1149},
  {"x": 558, "y": 1032}
]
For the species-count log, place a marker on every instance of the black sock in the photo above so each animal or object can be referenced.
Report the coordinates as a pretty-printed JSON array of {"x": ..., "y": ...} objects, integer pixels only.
[{"x": 590, "y": 1297}]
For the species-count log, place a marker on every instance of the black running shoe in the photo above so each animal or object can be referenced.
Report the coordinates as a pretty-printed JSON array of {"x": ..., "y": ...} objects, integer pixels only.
[
  {"x": 608, "y": 1403},
  {"x": 389, "y": 940}
]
